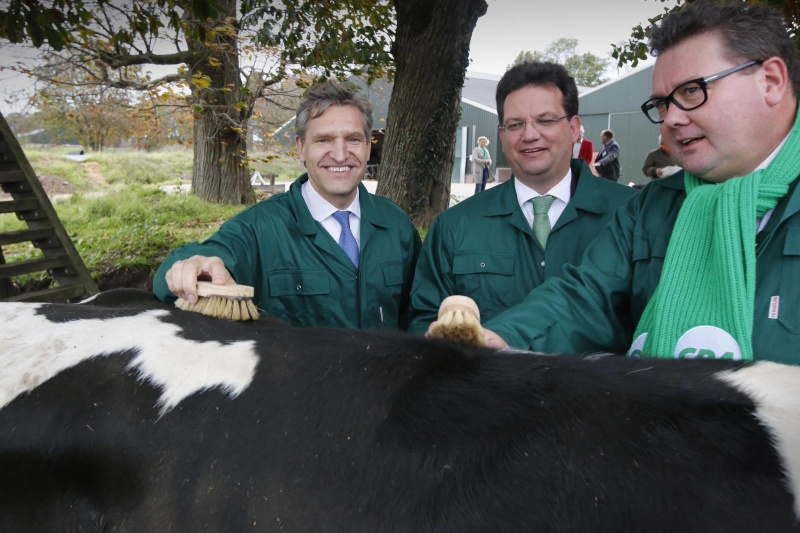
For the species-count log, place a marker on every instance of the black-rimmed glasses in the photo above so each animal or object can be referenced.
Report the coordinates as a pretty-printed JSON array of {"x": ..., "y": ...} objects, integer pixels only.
[{"x": 689, "y": 95}]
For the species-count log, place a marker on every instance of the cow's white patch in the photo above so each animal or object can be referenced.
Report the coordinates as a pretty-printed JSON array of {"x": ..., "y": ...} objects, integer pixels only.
[
  {"x": 775, "y": 389},
  {"x": 34, "y": 349}
]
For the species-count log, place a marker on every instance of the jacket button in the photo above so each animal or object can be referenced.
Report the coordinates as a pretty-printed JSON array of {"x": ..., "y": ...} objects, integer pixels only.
[
  {"x": 542, "y": 263},
  {"x": 299, "y": 287},
  {"x": 483, "y": 265}
]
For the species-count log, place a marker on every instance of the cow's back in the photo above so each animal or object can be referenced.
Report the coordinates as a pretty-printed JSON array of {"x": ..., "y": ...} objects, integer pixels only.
[{"x": 195, "y": 424}]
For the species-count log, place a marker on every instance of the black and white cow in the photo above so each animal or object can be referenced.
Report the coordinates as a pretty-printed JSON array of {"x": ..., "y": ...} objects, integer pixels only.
[{"x": 142, "y": 418}]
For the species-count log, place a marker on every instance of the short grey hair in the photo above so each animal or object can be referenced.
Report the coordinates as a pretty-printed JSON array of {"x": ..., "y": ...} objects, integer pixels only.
[{"x": 326, "y": 94}]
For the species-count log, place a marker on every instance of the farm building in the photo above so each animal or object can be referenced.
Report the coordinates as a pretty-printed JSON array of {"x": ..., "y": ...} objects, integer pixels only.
[
  {"x": 478, "y": 118},
  {"x": 616, "y": 105}
]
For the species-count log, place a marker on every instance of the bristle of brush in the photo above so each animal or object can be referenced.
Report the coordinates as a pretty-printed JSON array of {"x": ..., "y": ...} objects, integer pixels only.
[
  {"x": 459, "y": 325},
  {"x": 221, "y": 307}
]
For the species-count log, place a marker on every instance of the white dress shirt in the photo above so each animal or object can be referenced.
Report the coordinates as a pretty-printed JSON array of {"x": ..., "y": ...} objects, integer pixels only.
[
  {"x": 322, "y": 211},
  {"x": 561, "y": 192}
]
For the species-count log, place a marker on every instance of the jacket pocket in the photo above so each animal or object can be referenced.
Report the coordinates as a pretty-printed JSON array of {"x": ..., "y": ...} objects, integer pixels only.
[
  {"x": 789, "y": 315},
  {"x": 646, "y": 248},
  {"x": 298, "y": 283},
  {"x": 647, "y": 254},
  {"x": 465, "y": 263},
  {"x": 392, "y": 273},
  {"x": 487, "y": 278}
]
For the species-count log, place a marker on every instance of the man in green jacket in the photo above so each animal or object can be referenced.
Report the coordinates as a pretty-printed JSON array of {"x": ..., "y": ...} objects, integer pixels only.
[
  {"x": 326, "y": 252},
  {"x": 487, "y": 247},
  {"x": 705, "y": 263}
]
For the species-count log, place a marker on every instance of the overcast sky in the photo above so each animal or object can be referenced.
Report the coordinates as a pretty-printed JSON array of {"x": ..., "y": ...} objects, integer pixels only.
[{"x": 510, "y": 26}]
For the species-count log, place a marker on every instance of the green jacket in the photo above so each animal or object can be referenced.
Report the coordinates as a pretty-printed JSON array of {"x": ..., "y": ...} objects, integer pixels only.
[
  {"x": 596, "y": 307},
  {"x": 484, "y": 248},
  {"x": 300, "y": 273}
]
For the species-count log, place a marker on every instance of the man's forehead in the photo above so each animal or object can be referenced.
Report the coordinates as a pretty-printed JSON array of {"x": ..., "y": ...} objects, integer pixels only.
[
  {"x": 694, "y": 57},
  {"x": 534, "y": 100},
  {"x": 338, "y": 118}
]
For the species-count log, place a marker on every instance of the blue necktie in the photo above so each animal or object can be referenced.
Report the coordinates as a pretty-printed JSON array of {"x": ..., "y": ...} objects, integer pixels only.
[{"x": 346, "y": 239}]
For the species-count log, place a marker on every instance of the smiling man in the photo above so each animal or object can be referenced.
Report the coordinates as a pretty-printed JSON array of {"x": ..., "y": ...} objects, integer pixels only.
[
  {"x": 704, "y": 263},
  {"x": 497, "y": 246},
  {"x": 327, "y": 252}
]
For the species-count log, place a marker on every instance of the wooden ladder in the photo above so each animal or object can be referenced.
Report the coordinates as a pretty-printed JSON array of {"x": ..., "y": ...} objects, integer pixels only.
[{"x": 30, "y": 203}]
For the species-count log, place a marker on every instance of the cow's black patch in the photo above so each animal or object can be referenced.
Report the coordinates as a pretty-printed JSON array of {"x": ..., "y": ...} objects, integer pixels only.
[{"x": 355, "y": 431}]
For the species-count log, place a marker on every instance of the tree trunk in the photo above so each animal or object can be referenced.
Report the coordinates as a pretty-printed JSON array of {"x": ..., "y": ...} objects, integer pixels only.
[
  {"x": 431, "y": 52},
  {"x": 219, "y": 170}
]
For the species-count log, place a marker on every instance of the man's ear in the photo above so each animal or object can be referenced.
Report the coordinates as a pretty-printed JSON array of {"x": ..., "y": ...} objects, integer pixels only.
[
  {"x": 299, "y": 142},
  {"x": 575, "y": 124},
  {"x": 775, "y": 79}
]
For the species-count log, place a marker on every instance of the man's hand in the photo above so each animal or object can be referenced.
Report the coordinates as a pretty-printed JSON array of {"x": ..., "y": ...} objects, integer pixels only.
[
  {"x": 493, "y": 340},
  {"x": 183, "y": 275}
]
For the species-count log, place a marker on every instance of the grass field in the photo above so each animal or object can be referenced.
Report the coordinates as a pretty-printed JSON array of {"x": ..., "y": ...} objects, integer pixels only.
[{"x": 120, "y": 220}]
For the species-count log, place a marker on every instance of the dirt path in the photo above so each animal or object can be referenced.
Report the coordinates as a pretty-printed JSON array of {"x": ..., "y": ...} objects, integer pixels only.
[{"x": 97, "y": 177}]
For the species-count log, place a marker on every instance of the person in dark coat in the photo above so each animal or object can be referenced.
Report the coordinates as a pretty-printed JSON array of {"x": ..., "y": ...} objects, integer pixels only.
[
  {"x": 658, "y": 163},
  {"x": 607, "y": 161}
]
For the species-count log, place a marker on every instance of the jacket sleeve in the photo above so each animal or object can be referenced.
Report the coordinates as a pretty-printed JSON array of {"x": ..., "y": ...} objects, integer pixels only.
[
  {"x": 231, "y": 244},
  {"x": 433, "y": 280},
  {"x": 587, "y": 308},
  {"x": 409, "y": 275},
  {"x": 611, "y": 154},
  {"x": 649, "y": 167}
]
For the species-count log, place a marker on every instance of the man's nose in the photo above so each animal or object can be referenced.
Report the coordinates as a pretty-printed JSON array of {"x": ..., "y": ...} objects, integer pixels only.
[
  {"x": 529, "y": 131},
  {"x": 339, "y": 150},
  {"x": 674, "y": 116}
]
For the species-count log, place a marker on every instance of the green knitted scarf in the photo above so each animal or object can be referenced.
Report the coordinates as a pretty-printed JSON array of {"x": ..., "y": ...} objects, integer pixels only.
[{"x": 709, "y": 274}]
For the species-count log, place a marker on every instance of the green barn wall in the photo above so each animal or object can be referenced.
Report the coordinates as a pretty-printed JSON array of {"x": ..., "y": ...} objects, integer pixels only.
[{"x": 616, "y": 105}]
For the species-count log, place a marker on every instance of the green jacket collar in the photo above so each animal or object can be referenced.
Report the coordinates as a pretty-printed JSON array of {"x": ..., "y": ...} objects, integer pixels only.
[
  {"x": 588, "y": 196},
  {"x": 784, "y": 209},
  {"x": 370, "y": 213}
]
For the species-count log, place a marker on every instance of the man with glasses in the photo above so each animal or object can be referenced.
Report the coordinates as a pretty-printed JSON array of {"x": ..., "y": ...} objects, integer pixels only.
[
  {"x": 704, "y": 263},
  {"x": 497, "y": 246}
]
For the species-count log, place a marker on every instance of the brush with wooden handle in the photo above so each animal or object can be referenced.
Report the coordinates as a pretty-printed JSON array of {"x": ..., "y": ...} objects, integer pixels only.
[
  {"x": 459, "y": 321},
  {"x": 232, "y": 301}
]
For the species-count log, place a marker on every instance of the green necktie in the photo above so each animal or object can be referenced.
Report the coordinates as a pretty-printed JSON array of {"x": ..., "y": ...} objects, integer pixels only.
[{"x": 541, "y": 222}]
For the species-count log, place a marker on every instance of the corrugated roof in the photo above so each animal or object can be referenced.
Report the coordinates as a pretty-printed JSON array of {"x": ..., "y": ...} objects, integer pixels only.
[{"x": 480, "y": 89}]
